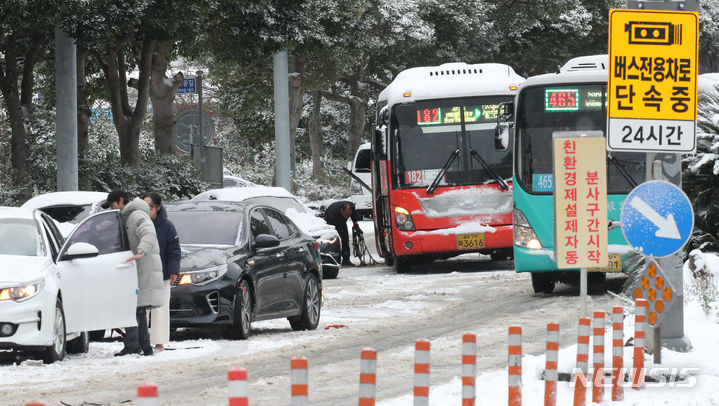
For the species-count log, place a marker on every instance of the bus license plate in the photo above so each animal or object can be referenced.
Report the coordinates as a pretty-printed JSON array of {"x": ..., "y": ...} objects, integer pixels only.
[
  {"x": 470, "y": 241},
  {"x": 615, "y": 264}
]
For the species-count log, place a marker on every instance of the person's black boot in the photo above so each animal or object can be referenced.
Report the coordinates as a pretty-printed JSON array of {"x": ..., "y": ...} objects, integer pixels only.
[{"x": 127, "y": 351}]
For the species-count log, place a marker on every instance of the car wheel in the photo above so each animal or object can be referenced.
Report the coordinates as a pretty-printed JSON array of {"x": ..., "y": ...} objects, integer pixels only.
[
  {"x": 56, "y": 351},
  {"x": 242, "y": 316},
  {"x": 542, "y": 282},
  {"x": 80, "y": 345},
  {"x": 330, "y": 273},
  {"x": 311, "y": 307}
]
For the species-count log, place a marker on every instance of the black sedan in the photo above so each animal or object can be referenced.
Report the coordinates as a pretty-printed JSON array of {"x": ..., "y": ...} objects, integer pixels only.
[{"x": 243, "y": 262}]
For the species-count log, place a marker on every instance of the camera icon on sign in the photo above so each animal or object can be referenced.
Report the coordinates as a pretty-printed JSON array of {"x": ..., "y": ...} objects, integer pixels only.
[{"x": 653, "y": 33}]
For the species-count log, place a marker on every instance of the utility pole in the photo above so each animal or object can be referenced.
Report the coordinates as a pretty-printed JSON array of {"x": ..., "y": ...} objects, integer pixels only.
[
  {"x": 66, "y": 111},
  {"x": 282, "y": 121}
]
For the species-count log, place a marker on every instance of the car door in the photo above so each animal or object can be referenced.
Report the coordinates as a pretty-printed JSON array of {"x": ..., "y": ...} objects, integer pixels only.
[
  {"x": 294, "y": 251},
  {"x": 268, "y": 269},
  {"x": 99, "y": 292}
]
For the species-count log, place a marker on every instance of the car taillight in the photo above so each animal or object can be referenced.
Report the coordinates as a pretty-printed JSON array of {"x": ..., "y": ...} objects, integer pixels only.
[{"x": 316, "y": 245}]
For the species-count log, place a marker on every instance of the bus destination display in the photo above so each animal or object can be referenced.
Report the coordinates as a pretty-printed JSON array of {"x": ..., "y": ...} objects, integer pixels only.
[
  {"x": 453, "y": 115},
  {"x": 573, "y": 99}
]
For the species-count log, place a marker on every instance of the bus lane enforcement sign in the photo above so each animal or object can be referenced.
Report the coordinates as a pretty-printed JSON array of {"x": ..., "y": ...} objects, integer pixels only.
[
  {"x": 652, "y": 80},
  {"x": 657, "y": 290},
  {"x": 580, "y": 200},
  {"x": 657, "y": 218}
]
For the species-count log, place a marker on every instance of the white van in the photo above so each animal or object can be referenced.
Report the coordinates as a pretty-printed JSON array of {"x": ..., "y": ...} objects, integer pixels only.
[{"x": 360, "y": 167}]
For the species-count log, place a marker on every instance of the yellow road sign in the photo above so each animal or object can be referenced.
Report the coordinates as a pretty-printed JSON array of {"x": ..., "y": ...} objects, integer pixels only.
[{"x": 652, "y": 80}]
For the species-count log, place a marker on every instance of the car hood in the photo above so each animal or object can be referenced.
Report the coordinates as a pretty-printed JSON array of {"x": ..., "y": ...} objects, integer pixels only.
[
  {"x": 196, "y": 257},
  {"x": 19, "y": 269}
]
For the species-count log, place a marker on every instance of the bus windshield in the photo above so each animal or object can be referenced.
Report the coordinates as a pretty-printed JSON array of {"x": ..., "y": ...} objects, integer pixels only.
[
  {"x": 425, "y": 134},
  {"x": 544, "y": 110}
]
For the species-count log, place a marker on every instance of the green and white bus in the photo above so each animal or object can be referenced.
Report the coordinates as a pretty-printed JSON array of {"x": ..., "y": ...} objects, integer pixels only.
[{"x": 572, "y": 99}]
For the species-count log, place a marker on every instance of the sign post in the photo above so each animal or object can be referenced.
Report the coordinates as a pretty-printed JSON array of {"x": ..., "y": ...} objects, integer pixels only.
[
  {"x": 656, "y": 111},
  {"x": 580, "y": 204}
]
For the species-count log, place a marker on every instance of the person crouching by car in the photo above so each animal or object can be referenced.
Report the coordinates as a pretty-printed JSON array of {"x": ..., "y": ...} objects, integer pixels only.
[
  {"x": 143, "y": 243},
  {"x": 337, "y": 214},
  {"x": 170, "y": 253}
]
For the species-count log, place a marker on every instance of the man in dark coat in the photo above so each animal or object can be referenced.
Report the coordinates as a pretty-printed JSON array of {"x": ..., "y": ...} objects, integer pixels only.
[{"x": 337, "y": 214}]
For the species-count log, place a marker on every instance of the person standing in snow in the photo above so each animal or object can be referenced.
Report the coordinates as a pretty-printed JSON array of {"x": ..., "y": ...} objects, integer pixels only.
[
  {"x": 337, "y": 214},
  {"x": 170, "y": 253},
  {"x": 144, "y": 246}
]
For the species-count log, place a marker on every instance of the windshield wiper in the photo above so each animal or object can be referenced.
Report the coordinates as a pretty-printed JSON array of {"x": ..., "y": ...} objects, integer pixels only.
[
  {"x": 622, "y": 170},
  {"x": 433, "y": 185},
  {"x": 502, "y": 184}
]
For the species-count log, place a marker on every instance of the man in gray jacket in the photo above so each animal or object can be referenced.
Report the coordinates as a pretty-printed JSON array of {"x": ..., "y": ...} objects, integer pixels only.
[{"x": 143, "y": 243}]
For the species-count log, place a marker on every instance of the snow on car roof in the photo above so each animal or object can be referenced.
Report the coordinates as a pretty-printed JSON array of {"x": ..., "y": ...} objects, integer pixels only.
[
  {"x": 59, "y": 198},
  {"x": 15, "y": 213},
  {"x": 240, "y": 194}
]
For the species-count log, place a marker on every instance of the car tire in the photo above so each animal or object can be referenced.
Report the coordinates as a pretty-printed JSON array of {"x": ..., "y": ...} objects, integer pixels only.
[
  {"x": 56, "y": 351},
  {"x": 242, "y": 314},
  {"x": 311, "y": 307},
  {"x": 542, "y": 282},
  {"x": 79, "y": 345},
  {"x": 330, "y": 273}
]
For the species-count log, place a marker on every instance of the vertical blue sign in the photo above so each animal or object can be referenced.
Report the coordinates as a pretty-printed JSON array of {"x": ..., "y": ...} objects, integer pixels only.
[{"x": 187, "y": 86}]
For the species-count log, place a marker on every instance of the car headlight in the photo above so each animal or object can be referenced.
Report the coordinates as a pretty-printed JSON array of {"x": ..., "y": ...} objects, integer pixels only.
[
  {"x": 22, "y": 293},
  {"x": 524, "y": 235},
  {"x": 403, "y": 219},
  {"x": 202, "y": 277},
  {"x": 355, "y": 188}
]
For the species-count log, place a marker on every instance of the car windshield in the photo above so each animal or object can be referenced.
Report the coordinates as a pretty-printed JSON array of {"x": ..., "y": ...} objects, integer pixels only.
[
  {"x": 207, "y": 227},
  {"x": 362, "y": 163},
  {"x": 279, "y": 203},
  {"x": 18, "y": 237}
]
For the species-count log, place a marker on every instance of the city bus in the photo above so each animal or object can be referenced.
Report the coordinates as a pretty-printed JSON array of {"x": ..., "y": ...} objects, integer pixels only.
[
  {"x": 441, "y": 178},
  {"x": 572, "y": 99}
]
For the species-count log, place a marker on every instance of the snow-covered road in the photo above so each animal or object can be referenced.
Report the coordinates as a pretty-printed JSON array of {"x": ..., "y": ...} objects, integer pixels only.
[{"x": 364, "y": 307}]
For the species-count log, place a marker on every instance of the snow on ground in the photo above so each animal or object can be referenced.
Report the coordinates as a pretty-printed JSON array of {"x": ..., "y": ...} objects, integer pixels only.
[{"x": 699, "y": 389}]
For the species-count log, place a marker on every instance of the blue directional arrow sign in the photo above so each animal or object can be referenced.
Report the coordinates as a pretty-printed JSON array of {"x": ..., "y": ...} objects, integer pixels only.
[{"x": 657, "y": 218}]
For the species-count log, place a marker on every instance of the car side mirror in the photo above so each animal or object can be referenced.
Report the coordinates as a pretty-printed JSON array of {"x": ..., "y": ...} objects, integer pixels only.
[
  {"x": 501, "y": 137},
  {"x": 349, "y": 166},
  {"x": 266, "y": 241},
  {"x": 80, "y": 250}
]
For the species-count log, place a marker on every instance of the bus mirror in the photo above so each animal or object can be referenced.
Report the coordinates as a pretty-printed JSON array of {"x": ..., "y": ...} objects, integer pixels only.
[
  {"x": 349, "y": 166},
  {"x": 379, "y": 144},
  {"x": 383, "y": 116},
  {"x": 501, "y": 137}
]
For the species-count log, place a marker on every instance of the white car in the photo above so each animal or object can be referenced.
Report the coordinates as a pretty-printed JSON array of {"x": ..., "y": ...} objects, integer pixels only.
[
  {"x": 54, "y": 291},
  {"x": 67, "y": 208},
  {"x": 360, "y": 167},
  {"x": 298, "y": 212}
]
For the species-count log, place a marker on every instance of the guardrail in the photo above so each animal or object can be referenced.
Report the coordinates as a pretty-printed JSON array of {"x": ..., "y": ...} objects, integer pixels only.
[{"x": 147, "y": 392}]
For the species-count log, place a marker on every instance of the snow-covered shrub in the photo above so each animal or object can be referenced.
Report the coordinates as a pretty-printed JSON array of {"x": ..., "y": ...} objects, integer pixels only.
[{"x": 699, "y": 281}]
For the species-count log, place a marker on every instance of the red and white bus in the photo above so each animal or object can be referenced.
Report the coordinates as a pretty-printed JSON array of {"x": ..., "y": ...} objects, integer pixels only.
[{"x": 441, "y": 175}]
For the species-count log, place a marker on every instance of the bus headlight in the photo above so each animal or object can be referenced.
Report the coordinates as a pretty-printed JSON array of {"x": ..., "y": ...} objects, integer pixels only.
[
  {"x": 403, "y": 219},
  {"x": 524, "y": 235}
]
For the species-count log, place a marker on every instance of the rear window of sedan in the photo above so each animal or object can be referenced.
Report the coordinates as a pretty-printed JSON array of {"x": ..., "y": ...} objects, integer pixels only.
[
  {"x": 278, "y": 202},
  {"x": 18, "y": 237},
  {"x": 207, "y": 227}
]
